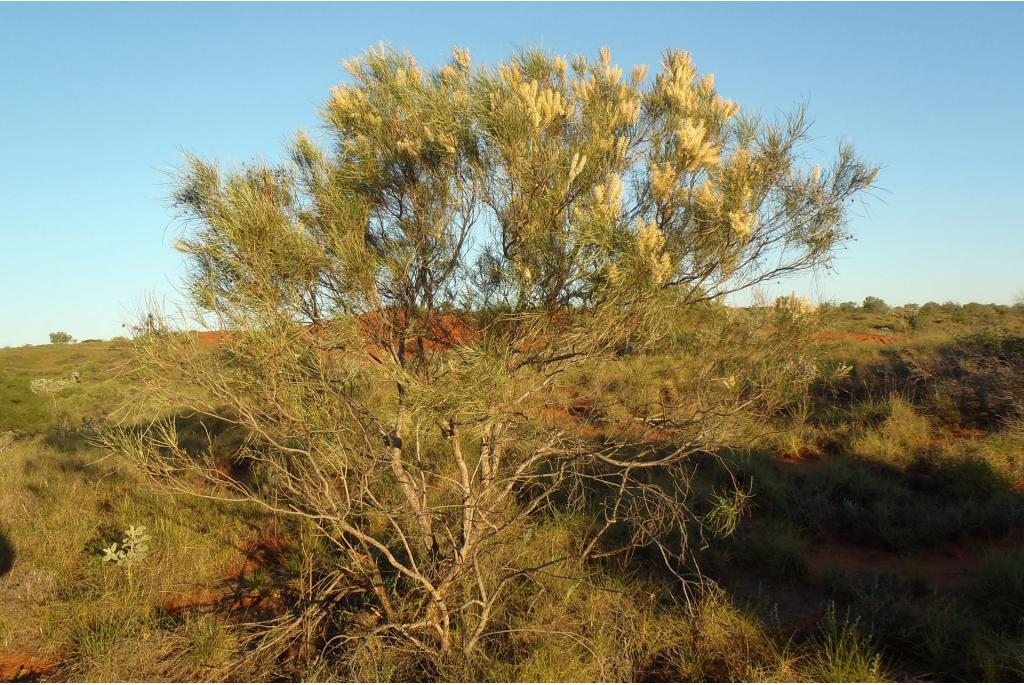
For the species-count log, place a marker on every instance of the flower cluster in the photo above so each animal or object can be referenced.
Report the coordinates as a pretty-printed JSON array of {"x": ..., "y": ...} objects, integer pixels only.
[
  {"x": 727, "y": 199},
  {"x": 693, "y": 150},
  {"x": 650, "y": 243},
  {"x": 741, "y": 223},
  {"x": 609, "y": 194},
  {"x": 646, "y": 259},
  {"x": 675, "y": 86},
  {"x": 460, "y": 56},
  {"x": 623, "y": 103},
  {"x": 542, "y": 105}
]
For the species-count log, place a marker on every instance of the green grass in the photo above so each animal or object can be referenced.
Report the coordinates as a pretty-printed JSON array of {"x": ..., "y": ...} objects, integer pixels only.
[
  {"x": 105, "y": 622},
  {"x": 997, "y": 593},
  {"x": 99, "y": 392},
  {"x": 886, "y": 472},
  {"x": 844, "y": 653}
]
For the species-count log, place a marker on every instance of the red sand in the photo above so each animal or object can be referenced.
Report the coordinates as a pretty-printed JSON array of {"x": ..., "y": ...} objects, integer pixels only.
[
  {"x": 946, "y": 567},
  {"x": 263, "y": 550},
  {"x": 442, "y": 331},
  {"x": 18, "y": 666}
]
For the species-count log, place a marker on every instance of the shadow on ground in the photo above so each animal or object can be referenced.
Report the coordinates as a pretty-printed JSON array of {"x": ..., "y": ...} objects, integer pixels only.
[
  {"x": 6, "y": 555},
  {"x": 922, "y": 556}
]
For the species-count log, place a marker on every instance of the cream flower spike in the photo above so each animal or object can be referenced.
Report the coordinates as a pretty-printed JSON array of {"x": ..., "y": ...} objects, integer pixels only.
[
  {"x": 576, "y": 167},
  {"x": 741, "y": 223},
  {"x": 663, "y": 180},
  {"x": 461, "y": 58},
  {"x": 561, "y": 66}
]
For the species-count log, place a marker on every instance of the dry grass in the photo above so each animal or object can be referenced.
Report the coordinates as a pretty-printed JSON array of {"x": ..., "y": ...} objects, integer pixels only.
[
  {"x": 901, "y": 477},
  {"x": 105, "y": 622},
  {"x": 900, "y": 439}
]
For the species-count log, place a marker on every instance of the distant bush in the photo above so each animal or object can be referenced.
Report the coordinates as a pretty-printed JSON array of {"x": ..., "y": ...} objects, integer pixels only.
[
  {"x": 910, "y": 315},
  {"x": 980, "y": 378},
  {"x": 60, "y": 337},
  {"x": 975, "y": 380},
  {"x": 875, "y": 305}
]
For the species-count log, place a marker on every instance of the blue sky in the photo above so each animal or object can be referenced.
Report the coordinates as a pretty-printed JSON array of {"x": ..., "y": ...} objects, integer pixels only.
[{"x": 100, "y": 100}]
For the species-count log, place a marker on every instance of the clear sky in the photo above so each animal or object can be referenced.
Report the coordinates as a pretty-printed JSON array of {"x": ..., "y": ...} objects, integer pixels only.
[{"x": 99, "y": 101}]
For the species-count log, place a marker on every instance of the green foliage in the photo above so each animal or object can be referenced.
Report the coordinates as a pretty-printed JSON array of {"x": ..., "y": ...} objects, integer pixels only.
[
  {"x": 621, "y": 622},
  {"x": 875, "y": 305},
  {"x": 60, "y": 337},
  {"x": 901, "y": 437},
  {"x": 20, "y": 409},
  {"x": 845, "y": 654},
  {"x": 726, "y": 511},
  {"x": 133, "y": 548},
  {"x": 404, "y": 309}
]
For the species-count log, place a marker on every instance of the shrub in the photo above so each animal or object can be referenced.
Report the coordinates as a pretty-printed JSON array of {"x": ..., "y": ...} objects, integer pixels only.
[
  {"x": 775, "y": 550},
  {"x": 60, "y": 338},
  {"x": 997, "y": 592},
  {"x": 875, "y": 305},
  {"x": 402, "y": 308},
  {"x": 978, "y": 379},
  {"x": 900, "y": 438}
]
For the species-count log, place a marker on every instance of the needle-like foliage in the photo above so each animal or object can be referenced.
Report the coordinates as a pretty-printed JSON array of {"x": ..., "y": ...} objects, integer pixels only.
[{"x": 400, "y": 308}]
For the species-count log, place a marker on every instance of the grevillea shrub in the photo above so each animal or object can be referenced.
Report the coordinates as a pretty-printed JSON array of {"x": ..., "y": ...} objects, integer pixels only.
[{"x": 400, "y": 307}]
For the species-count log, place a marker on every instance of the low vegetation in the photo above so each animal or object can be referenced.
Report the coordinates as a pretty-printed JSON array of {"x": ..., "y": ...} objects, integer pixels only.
[{"x": 881, "y": 539}]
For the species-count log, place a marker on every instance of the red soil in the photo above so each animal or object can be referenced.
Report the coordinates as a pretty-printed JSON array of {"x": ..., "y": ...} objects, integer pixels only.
[
  {"x": 440, "y": 332},
  {"x": 262, "y": 551},
  {"x": 211, "y": 338},
  {"x": 262, "y": 605},
  {"x": 805, "y": 460},
  {"x": 947, "y": 567},
  {"x": 23, "y": 666},
  {"x": 570, "y": 420}
]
